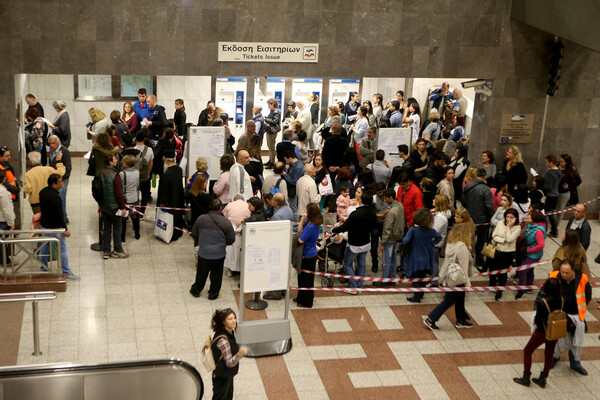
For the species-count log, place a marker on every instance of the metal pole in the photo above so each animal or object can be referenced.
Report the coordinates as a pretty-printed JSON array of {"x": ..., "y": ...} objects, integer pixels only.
[
  {"x": 4, "y": 247},
  {"x": 36, "y": 332},
  {"x": 539, "y": 157}
]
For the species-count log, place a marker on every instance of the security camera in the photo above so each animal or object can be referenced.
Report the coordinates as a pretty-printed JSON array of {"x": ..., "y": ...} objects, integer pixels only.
[{"x": 473, "y": 83}]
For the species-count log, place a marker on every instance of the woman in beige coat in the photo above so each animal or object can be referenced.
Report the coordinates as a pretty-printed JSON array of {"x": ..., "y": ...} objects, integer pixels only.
[
  {"x": 457, "y": 250},
  {"x": 505, "y": 237},
  {"x": 445, "y": 186}
]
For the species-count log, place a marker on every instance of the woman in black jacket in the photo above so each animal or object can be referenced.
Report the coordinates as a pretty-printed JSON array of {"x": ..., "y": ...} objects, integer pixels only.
[
  {"x": 513, "y": 169},
  {"x": 226, "y": 352},
  {"x": 548, "y": 300},
  {"x": 272, "y": 127},
  {"x": 198, "y": 198},
  {"x": 180, "y": 118}
]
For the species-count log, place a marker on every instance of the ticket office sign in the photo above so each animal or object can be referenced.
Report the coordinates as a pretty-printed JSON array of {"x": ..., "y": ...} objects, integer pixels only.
[
  {"x": 516, "y": 128},
  {"x": 268, "y": 52}
]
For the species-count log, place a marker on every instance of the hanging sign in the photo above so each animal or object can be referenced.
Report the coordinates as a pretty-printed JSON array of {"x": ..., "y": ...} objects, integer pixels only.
[{"x": 268, "y": 52}]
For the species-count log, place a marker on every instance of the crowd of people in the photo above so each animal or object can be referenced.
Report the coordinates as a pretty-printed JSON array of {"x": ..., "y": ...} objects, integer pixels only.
[{"x": 437, "y": 215}]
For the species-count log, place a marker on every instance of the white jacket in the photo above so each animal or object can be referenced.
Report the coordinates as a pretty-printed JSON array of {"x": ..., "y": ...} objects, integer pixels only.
[
  {"x": 506, "y": 238},
  {"x": 7, "y": 212}
]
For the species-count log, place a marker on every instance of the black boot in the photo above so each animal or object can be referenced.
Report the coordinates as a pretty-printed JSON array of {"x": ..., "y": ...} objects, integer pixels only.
[
  {"x": 525, "y": 380},
  {"x": 541, "y": 381},
  {"x": 519, "y": 294}
]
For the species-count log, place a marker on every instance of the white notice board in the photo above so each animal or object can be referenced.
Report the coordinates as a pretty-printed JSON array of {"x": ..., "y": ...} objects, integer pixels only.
[
  {"x": 388, "y": 139},
  {"x": 266, "y": 256},
  {"x": 208, "y": 142}
]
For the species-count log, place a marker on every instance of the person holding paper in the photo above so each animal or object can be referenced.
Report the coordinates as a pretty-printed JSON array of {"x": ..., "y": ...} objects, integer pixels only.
[{"x": 112, "y": 201}]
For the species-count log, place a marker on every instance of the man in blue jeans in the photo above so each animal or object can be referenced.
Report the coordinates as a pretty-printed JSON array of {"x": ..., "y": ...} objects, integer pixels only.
[
  {"x": 359, "y": 225},
  {"x": 53, "y": 218},
  {"x": 394, "y": 226}
]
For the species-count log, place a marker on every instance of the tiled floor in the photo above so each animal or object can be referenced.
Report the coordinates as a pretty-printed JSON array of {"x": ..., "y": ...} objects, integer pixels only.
[{"x": 346, "y": 347}]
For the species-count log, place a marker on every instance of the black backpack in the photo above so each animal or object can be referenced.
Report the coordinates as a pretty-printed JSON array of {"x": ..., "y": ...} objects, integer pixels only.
[{"x": 97, "y": 190}]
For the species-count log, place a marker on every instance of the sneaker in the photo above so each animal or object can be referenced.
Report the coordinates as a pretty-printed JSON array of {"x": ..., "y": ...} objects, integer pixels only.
[
  {"x": 106, "y": 256},
  {"x": 119, "y": 254},
  {"x": 72, "y": 277},
  {"x": 430, "y": 324},
  {"x": 519, "y": 294},
  {"x": 350, "y": 291},
  {"x": 463, "y": 324}
]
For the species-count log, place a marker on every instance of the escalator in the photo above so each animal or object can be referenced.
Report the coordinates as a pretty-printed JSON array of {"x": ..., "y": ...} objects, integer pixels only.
[{"x": 147, "y": 380}]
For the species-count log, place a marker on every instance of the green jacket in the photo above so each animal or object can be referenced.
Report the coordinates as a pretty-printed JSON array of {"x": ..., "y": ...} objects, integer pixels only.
[{"x": 394, "y": 223}]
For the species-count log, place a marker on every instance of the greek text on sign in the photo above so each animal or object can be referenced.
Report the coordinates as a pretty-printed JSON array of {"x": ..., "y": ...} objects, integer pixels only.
[
  {"x": 268, "y": 52},
  {"x": 516, "y": 128}
]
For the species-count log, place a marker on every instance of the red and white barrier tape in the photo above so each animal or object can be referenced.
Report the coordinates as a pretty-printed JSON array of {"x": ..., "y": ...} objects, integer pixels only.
[
  {"x": 400, "y": 280},
  {"x": 431, "y": 289}
]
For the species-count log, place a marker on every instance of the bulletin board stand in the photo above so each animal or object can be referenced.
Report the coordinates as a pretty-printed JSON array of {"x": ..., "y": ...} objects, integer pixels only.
[
  {"x": 265, "y": 266},
  {"x": 388, "y": 139},
  {"x": 209, "y": 142}
]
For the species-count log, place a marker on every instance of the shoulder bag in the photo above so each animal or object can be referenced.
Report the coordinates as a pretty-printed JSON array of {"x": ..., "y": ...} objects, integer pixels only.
[{"x": 489, "y": 250}]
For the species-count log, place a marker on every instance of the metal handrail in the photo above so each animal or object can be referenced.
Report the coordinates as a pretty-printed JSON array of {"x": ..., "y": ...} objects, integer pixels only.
[
  {"x": 46, "y": 295},
  {"x": 19, "y": 231},
  {"x": 42, "y": 239}
]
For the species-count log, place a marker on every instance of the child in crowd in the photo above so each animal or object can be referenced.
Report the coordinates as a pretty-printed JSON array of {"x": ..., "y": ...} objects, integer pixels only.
[{"x": 343, "y": 202}]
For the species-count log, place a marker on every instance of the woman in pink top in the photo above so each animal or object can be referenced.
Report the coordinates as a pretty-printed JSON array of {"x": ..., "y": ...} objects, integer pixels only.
[{"x": 221, "y": 187}]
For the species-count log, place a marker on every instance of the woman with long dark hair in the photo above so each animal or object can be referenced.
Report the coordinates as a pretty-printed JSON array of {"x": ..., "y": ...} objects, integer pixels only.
[
  {"x": 370, "y": 116},
  {"x": 549, "y": 299},
  {"x": 180, "y": 119},
  {"x": 569, "y": 182},
  {"x": 412, "y": 118},
  {"x": 273, "y": 126},
  {"x": 505, "y": 236},
  {"x": 226, "y": 352},
  {"x": 350, "y": 107},
  {"x": 571, "y": 249},
  {"x": 309, "y": 229}
]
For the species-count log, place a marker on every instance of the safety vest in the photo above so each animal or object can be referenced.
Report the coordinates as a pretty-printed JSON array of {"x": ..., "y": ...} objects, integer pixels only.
[
  {"x": 579, "y": 293},
  {"x": 10, "y": 178}
]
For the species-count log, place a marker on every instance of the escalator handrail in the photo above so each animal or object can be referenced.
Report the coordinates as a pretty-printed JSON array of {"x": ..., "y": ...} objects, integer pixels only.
[{"x": 21, "y": 371}]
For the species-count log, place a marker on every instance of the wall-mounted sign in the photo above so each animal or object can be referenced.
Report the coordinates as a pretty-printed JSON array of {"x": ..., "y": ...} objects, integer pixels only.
[
  {"x": 268, "y": 52},
  {"x": 516, "y": 128}
]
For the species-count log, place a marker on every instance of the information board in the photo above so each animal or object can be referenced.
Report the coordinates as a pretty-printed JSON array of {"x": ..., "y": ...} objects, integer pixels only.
[
  {"x": 388, "y": 139},
  {"x": 208, "y": 142},
  {"x": 266, "y": 256},
  {"x": 516, "y": 128}
]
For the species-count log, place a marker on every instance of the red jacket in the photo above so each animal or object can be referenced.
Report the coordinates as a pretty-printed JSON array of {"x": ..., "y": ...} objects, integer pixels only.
[{"x": 412, "y": 200}]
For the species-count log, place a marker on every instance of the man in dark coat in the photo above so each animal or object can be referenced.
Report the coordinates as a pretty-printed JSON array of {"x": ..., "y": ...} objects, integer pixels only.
[
  {"x": 170, "y": 191},
  {"x": 157, "y": 119},
  {"x": 477, "y": 199}
]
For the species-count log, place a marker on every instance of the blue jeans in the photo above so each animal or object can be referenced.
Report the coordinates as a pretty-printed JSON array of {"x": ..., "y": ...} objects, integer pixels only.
[
  {"x": 361, "y": 266},
  {"x": 390, "y": 261},
  {"x": 294, "y": 206},
  {"x": 64, "y": 251},
  {"x": 4, "y": 226},
  {"x": 63, "y": 196}
]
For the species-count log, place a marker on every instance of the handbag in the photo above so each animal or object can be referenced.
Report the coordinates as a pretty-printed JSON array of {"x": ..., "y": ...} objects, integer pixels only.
[
  {"x": 489, "y": 250},
  {"x": 207, "y": 355},
  {"x": 325, "y": 186},
  {"x": 556, "y": 328},
  {"x": 455, "y": 276}
]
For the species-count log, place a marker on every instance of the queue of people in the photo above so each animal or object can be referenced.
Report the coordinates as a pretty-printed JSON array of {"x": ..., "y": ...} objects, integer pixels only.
[{"x": 431, "y": 217}]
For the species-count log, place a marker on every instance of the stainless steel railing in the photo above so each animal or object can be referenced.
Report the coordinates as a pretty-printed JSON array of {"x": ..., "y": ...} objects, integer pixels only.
[
  {"x": 134, "y": 380},
  {"x": 34, "y": 297},
  {"x": 8, "y": 239}
]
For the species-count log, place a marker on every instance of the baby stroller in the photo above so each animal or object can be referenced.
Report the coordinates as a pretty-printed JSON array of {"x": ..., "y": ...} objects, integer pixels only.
[{"x": 331, "y": 248}]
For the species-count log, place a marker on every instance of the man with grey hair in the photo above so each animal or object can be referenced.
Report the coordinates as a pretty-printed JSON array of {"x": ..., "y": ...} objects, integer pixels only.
[
  {"x": 461, "y": 103},
  {"x": 37, "y": 178},
  {"x": 170, "y": 191},
  {"x": 240, "y": 182},
  {"x": 306, "y": 189},
  {"x": 259, "y": 120},
  {"x": 440, "y": 97},
  {"x": 62, "y": 123},
  {"x": 244, "y": 139},
  {"x": 55, "y": 148},
  {"x": 305, "y": 118}
]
